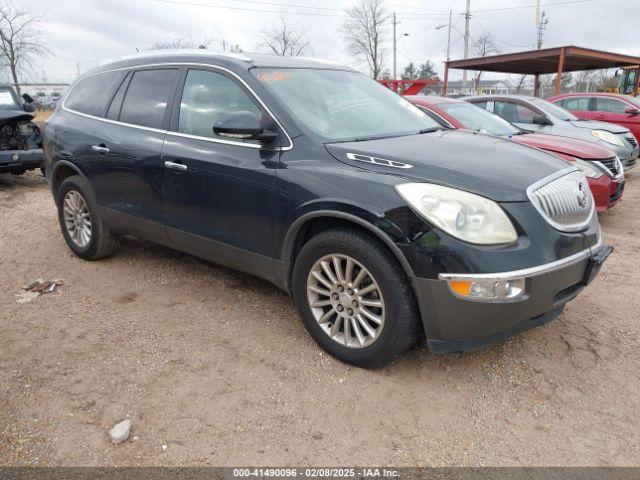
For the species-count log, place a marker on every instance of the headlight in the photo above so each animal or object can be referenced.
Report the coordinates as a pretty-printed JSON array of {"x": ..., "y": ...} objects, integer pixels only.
[
  {"x": 466, "y": 216},
  {"x": 607, "y": 137},
  {"x": 589, "y": 169}
]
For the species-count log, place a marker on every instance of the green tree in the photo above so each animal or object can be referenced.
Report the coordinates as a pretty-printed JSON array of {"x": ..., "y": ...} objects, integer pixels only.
[
  {"x": 410, "y": 72},
  {"x": 427, "y": 71}
]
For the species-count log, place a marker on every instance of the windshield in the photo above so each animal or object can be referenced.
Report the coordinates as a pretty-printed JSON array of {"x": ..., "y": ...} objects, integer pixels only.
[
  {"x": 475, "y": 118},
  {"x": 635, "y": 101},
  {"x": 7, "y": 102},
  {"x": 343, "y": 106},
  {"x": 553, "y": 109}
]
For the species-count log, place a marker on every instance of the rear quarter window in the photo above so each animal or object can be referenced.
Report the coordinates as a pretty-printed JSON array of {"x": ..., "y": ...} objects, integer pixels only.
[
  {"x": 91, "y": 94},
  {"x": 147, "y": 97}
]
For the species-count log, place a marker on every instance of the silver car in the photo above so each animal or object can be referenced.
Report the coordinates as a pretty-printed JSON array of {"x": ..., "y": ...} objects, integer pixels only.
[{"x": 535, "y": 114}]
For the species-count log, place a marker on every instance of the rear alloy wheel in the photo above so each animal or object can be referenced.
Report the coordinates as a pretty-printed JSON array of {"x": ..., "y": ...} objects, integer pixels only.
[
  {"x": 354, "y": 298},
  {"x": 346, "y": 301},
  {"x": 83, "y": 229},
  {"x": 77, "y": 218}
]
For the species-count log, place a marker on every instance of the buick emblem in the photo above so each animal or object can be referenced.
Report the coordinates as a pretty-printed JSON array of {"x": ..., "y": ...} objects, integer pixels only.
[{"x": 582, "y": 195}]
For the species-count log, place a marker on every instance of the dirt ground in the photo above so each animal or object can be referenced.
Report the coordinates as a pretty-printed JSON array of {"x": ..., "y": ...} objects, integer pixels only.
[{"x": 214, "y": 367}]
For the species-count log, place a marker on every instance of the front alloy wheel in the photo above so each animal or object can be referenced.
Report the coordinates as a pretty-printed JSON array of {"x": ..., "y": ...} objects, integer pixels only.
[{"x": 346, "y": 301}]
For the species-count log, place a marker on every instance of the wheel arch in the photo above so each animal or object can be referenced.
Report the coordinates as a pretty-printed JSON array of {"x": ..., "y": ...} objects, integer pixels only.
[
  {"x": 315, "y": 222},
  {"x": 62, "y": 170}
]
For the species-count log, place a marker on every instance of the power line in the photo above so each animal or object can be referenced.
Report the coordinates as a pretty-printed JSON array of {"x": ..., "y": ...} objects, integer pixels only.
[
  {"x": 411, "y": 15},
  {"x": 496, "y": 38},
  {"x": 534, "y": 6}
]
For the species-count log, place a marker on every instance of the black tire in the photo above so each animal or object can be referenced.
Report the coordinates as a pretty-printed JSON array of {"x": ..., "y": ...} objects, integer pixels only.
[
  {"x": 402, "y": 327},
  {"x": 102, "y": 242}
]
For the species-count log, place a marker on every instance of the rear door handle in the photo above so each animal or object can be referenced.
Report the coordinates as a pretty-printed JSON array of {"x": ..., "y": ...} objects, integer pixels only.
[
  {"x": 99, "y": 149},
  {"x": 175, "y": 166}
]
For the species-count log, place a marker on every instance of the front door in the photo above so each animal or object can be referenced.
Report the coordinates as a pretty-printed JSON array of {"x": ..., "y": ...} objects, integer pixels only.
[
  {"x": 219, "y": 193},
  {"x": 612, "y": 110},
  {"x": 518, "y": 114}
]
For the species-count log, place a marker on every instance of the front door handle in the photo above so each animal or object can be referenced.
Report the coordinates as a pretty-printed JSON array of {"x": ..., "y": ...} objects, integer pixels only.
[
  {"x": 101, "y": 149},
  {"x": 175, "y": 166}
]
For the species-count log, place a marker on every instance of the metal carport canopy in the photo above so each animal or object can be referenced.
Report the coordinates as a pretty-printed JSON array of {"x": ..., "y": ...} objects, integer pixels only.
[{"x": 548, "y": 60}]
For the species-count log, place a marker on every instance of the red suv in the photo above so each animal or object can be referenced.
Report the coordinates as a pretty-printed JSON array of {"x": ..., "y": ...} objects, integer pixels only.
[
  {"x": 601, "y": 167},
  {"x": 623, "y": 110}
]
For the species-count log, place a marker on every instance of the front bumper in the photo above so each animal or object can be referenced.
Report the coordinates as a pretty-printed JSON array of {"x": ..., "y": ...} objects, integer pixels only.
[
  {"x": 628, "y": 156},
  {"x": 606, "y": 191},
  {"x": 455, "y": 324},
  {"x": 12, "y": 160}
]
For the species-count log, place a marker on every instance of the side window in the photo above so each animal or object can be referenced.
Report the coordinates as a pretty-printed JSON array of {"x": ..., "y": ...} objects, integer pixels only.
[
  {"x": 208, "y": 96},
  {"x": 514, "y": 112},
  {"x": 113, "y": 112},
  {"x": 482, "y": 105},
  {"x": 147, "y": 96},
  {"x": 435, "y": 116},
  {"x": 91, "y": 94},
  {"x": 576, "y": 103},
  {"x": 612, "y": 105}
]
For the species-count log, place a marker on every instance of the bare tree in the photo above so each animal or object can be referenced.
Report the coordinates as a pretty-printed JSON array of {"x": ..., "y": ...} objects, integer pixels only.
[
  {"x": 20, "y": 39},
  {"x": 365, "y": 33},
  {"x": 520, "y": 83},
  {"x": 285, "y": 40},
  {"x": 173, "y": 44},
  {"x": 483, "y": 46}
]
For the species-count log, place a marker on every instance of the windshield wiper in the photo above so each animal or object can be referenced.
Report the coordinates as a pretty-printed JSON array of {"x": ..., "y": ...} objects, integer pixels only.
[
  {"x": 432, "y": 129},
  {"x": 378, "y": 137}
]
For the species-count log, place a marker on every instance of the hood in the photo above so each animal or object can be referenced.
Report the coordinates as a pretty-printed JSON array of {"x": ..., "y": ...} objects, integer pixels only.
[
  {"x": 565, "y": 145},
  {"x": 16, "y": 115},
  {"x": 489, "y": 166},
  {"x": 596, "y": 125}
]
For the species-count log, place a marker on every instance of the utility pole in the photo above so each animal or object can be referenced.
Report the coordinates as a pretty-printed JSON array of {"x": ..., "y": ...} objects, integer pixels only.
[
  {"x": 224, "y": 46},
  {"x": 541, "y": 23},
  {"x": 449, "y": 38},
  {"x": 467, "y": 17},
  {"x": 395, "y": 76},
  {"x": 542, "y": 26}
]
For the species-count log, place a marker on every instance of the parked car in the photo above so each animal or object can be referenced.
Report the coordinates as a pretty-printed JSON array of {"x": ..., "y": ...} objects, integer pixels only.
[
  {"x": 311, "y": 175},
  {"x": 535, "y": 114},
  {"x": 20, "y": 139},
  {"x": 622, "y": 110},
  {"x": 599, "y": 164}
]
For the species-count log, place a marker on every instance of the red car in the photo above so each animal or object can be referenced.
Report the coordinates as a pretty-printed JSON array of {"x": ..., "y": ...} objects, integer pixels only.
[
  {"x": 623, "y": 110},
  {"x": 601, "y": 167}
]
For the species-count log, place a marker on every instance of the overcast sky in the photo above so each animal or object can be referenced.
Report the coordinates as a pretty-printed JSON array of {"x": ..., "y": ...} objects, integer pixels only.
[{"x": 82, "y": 33}]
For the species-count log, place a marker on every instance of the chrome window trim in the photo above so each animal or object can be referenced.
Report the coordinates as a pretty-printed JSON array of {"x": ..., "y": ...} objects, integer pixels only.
[
  {"x": 526, "y": 272},
  {"x": 179, "y": 134},
  {"x": 544, "y": 181}
]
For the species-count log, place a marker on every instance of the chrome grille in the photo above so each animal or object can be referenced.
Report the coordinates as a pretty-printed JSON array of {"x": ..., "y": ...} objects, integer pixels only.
[
  {"x": 615, "y": 167},
  {"x": 564, "y": 200},
  {"x": 632, "y": 140}
]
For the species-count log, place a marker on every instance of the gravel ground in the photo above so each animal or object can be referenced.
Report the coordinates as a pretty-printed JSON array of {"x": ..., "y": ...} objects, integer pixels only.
[{"x": 214, "y": 367}]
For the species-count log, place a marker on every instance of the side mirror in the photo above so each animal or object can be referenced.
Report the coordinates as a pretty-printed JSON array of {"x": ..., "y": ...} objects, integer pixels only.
[
  {"x": 27, "y": 98},
  {"x": 631, "y": 111},
  {"x": 243, "y": 125},
  {"x": 541, "y": 120},
  {"x": 29, "y": 107}
]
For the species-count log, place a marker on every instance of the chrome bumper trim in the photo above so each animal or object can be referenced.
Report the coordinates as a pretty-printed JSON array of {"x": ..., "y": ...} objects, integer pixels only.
[{"x": 526, "y": 272}]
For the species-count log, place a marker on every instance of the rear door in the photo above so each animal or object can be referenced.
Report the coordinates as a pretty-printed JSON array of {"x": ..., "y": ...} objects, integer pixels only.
[
  {"x": 219, "y": 193},
  {"x": 132, "y": 173}
]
